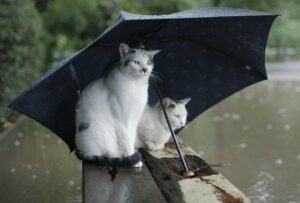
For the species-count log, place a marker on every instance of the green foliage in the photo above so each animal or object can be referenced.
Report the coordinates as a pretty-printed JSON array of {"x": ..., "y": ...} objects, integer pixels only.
[
  {"x": 284, "y": 36},
  {"x": 21, "y": 53},
  {"x": 72, "y": 24}
]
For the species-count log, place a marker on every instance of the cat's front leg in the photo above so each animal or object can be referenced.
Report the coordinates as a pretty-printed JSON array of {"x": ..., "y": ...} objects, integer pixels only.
[
  {"x": 126, "y": 141},
  {"x": 153, "y": 147}
]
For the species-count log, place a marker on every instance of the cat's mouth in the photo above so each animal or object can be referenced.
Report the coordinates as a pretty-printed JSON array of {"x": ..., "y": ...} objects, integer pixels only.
[{"x": 144, "y": 71}]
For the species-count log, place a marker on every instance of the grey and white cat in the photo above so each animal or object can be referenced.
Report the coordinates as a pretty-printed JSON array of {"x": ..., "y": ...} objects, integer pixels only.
[
  {"x": 110, "y": 109},
  {"x": 153, "y": 131}
]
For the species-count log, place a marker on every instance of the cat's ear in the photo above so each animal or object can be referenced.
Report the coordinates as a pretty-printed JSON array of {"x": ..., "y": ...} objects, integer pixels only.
[
  {"x": 185, "y": 101},
  {"x": 169, "y": 103},
  {"x": 153, "y": 52},
  {"x": 124, "y": 49}
]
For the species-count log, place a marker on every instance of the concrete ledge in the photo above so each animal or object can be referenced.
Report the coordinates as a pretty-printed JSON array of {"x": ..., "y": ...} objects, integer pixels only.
[
  {"x": 128, "y": 185},
  {"x": 160, "y": 181},
  {"x": 207, "y": 186}
]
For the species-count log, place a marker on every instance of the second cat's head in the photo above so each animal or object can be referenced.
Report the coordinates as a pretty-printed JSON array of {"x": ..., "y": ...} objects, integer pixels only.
[
  {"x": 136, "y": 62},
  {"x": 176, "y": 112}
]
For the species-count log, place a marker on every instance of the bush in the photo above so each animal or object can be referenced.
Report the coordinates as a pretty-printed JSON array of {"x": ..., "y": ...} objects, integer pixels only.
[{"x": 21, "y": 50}]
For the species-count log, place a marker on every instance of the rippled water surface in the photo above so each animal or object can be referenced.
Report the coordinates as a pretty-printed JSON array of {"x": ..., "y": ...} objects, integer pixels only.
[
  {"x": 256, "y": 134},
  {"x": 36, "y": 166}
]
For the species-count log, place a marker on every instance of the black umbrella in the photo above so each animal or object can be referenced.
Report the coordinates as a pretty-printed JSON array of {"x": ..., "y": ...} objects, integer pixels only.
[{"x": 207, "y": 54}]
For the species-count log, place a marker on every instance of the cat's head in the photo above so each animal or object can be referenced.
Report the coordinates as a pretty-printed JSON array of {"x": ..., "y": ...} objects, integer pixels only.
[
  {"x": 176, "y": 112},
  {"x": 136, "y": 62}
]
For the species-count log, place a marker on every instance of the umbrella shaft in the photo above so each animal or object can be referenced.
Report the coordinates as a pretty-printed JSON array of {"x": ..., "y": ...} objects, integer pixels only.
[{"x": 171, "y": 130}]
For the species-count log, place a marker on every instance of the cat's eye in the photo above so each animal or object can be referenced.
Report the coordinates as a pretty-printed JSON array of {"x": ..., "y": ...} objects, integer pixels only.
[
  {"x": 149, "y": 62},
  {"x": 136, "y": 62}
]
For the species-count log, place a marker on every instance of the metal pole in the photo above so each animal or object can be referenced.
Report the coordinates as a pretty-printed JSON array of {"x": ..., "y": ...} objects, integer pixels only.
[{"x": 170, "y": 128}]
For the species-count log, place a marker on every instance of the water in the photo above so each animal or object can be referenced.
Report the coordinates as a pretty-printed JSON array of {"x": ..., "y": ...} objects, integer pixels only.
[
  {"x": 256, "y": 134},
  {"x": 36, "y": 166}
]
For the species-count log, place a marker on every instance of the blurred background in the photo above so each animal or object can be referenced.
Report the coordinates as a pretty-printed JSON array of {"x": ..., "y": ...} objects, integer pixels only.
[{"x": 254, "y": 132}]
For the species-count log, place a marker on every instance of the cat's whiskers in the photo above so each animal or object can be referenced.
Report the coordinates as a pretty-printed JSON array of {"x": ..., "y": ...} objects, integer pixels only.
[
  {"x": 155, "y": 77},
  {"x": 156, "y": 73}
]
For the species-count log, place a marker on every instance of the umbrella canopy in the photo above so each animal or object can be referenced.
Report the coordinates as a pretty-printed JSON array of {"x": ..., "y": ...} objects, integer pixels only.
[{"x": 207, "y": 54}]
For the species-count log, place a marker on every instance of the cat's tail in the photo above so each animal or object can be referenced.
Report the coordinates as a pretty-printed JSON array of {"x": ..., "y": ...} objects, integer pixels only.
[{"x": 127, "y": 161}]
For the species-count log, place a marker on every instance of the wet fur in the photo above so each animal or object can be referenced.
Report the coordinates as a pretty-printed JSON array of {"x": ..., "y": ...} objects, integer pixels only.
[
  {"x": 110, "y": 108},
  {"x": 153, "y": 131}
]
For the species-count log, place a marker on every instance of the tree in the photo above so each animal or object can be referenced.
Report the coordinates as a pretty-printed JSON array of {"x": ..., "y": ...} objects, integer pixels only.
[{"x": 21, "y": 51}]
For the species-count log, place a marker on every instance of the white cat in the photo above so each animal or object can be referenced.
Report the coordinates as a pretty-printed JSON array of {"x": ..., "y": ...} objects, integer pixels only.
[
  {"x": 153, "y": 131},
  {"x": 110, "y": 109}
]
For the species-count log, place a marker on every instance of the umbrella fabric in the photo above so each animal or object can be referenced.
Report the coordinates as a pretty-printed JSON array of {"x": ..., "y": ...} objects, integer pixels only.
[{"x": 207, "y": 54}]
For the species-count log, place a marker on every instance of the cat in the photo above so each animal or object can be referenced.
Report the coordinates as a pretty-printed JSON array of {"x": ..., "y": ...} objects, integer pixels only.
[
  {"x": 110, "y": 108},
  {"x": 153, "y": 131}
]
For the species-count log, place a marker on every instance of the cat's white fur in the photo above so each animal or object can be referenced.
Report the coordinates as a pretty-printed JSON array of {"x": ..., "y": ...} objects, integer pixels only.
[
  {"x": 112, "y": 106},
  {"x": 153, "y": 131}
]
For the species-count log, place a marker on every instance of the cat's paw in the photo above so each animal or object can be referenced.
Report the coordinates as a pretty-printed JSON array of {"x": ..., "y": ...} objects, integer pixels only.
[
  {"x": 156, "y": 148},
  {"x": 138, "y": 165}
]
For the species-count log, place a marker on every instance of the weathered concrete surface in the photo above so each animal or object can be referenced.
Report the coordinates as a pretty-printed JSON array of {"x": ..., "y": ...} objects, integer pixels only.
[
  {"x": 129, "y": 185},
  {"x": 207, "y": 186}
]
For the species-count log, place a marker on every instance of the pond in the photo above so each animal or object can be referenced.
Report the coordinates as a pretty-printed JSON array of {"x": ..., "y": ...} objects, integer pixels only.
[
  {"x": 36, "y": 166},
  {"x": 254, "y": 132}
]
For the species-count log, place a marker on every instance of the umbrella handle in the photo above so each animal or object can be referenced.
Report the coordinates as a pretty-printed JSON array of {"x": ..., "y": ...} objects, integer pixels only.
[{"x": 187, "y": 173}]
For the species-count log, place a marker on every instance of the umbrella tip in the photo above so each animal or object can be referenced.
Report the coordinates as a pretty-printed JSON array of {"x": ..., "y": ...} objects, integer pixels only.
[{"x": 188, "y": 174}]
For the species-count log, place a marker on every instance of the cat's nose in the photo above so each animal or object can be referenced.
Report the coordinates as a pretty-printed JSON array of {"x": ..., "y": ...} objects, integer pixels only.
[{"x": 144, "y": 70}]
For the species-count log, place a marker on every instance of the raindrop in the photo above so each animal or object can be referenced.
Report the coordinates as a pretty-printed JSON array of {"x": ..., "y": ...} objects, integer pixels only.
[
  {"x": 245, "y": 127},
  {"x": 23, "y": 191},
  {"x": 78, "y": 187},
  {"x": 13, "y": 170},
  {"x": 247, "y": 67},
  {"x": 48, "y": 172},
  {"x": 298, "y": 157},
  {"x": 269, "y": 126},
  {"x": 281, "y": 111},
  {"x": 217, "y": 119},
  {"x": 59, "y": 142},
  {"x": 33, "y": 176},
  {"x": 226, "y": 115},
  {"x": 20, "y": 134},
  {"x": 17, "y": 143},
  {"x": 278, "y": 162},
  {"x": 242, "y": 145},
  {"x": 48, "y": 136},
  {"x": 71, "y": 183},
  {"x": 287, "y": 127},
  {"x": 29, "y": 167},
  {"x": 43, "y": 147},
  {"x": 235, "y": 116}
]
